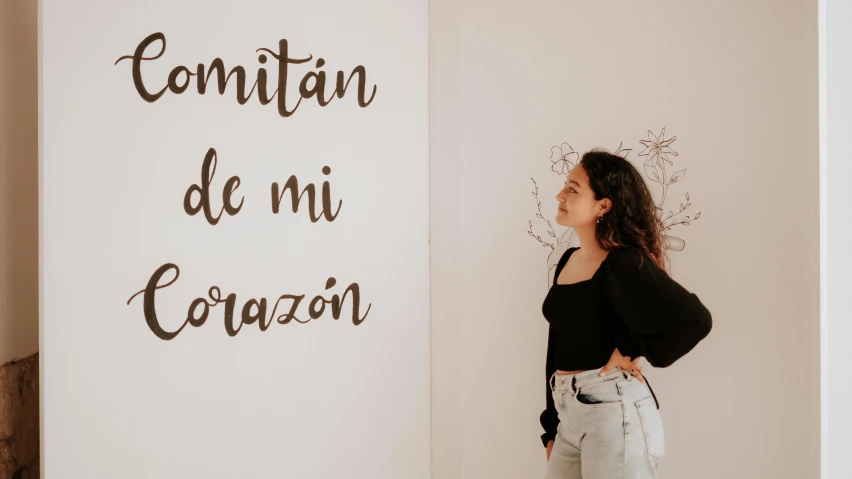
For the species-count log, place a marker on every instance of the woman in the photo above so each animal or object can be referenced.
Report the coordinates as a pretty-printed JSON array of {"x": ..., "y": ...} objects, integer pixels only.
[{"x": 611, "y": 303}]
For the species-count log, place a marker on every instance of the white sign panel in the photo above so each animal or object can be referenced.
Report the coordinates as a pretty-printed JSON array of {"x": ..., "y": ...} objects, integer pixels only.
[{"x": 234, "y": 229}]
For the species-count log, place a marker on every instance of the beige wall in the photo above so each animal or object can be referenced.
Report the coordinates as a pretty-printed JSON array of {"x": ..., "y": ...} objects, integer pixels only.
[
  {"x": 18, "y": 179},
  {"x": 736, "y": 82}
]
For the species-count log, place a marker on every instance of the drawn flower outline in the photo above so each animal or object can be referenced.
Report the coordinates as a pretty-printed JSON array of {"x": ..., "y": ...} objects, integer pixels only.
[
  {"x": 561, "y": 157},
  {"x": 657, "y": 149}
]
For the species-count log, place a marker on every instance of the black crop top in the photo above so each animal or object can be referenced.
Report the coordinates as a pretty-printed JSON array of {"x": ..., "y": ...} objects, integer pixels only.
[{"x": 630, "y": 304}]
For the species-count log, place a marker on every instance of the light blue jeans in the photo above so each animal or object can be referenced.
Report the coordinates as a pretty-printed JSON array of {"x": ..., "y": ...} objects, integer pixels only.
[{"x": 609, "y": 427}]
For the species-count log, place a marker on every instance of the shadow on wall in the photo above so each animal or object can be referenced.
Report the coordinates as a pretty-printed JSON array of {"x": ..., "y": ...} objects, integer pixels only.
[{"x": 18, "y": 179}]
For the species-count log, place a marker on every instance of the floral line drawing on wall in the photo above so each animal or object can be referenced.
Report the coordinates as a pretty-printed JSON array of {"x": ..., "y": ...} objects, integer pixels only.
[{"x": 658, "y": 152}]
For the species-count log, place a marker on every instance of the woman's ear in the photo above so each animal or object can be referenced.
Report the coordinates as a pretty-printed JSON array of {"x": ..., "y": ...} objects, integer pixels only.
[{"x": 606, "y": 205}]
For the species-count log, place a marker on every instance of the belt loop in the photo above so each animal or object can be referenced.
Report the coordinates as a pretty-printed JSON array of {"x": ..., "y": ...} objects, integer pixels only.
[{"x": 551, "y": 381}]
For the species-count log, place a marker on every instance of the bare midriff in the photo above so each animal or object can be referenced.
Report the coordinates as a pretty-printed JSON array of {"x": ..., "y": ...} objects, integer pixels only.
[{"x": 562, "y": 373}]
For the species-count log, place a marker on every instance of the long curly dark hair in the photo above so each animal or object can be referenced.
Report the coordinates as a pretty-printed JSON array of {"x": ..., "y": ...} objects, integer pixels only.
[{"x": 632, "y": 221}]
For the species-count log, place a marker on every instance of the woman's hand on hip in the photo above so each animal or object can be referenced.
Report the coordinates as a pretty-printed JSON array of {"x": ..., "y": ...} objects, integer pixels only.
[{"x": 625, "y": 364}]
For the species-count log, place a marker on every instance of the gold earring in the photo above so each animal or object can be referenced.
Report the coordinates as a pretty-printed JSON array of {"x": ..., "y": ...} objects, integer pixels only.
[{"x": 599, "y": 218}]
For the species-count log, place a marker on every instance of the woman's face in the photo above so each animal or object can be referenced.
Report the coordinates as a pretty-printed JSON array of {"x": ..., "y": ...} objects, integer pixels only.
[{"x": 577, "y": 204}]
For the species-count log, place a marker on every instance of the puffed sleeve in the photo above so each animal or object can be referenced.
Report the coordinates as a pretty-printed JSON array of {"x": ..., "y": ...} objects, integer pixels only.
[
  {"x": 549, "y": 418},
  {"x": 661, "y": 320}
]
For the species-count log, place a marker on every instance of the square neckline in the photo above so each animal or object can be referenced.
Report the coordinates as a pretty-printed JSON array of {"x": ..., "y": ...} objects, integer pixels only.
[{"x": 565, "y": 262}]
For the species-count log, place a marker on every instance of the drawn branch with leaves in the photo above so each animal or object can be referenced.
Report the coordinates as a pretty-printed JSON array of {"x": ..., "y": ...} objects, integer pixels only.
[
  {"x": 658, "y": 151},
  {"x": 540, "y": 216}
]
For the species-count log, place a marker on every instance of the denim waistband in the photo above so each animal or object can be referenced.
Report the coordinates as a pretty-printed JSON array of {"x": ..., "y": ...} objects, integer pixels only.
[
  {"x": 592, "y": 376},
  {"x": 578, "y": 380}
]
